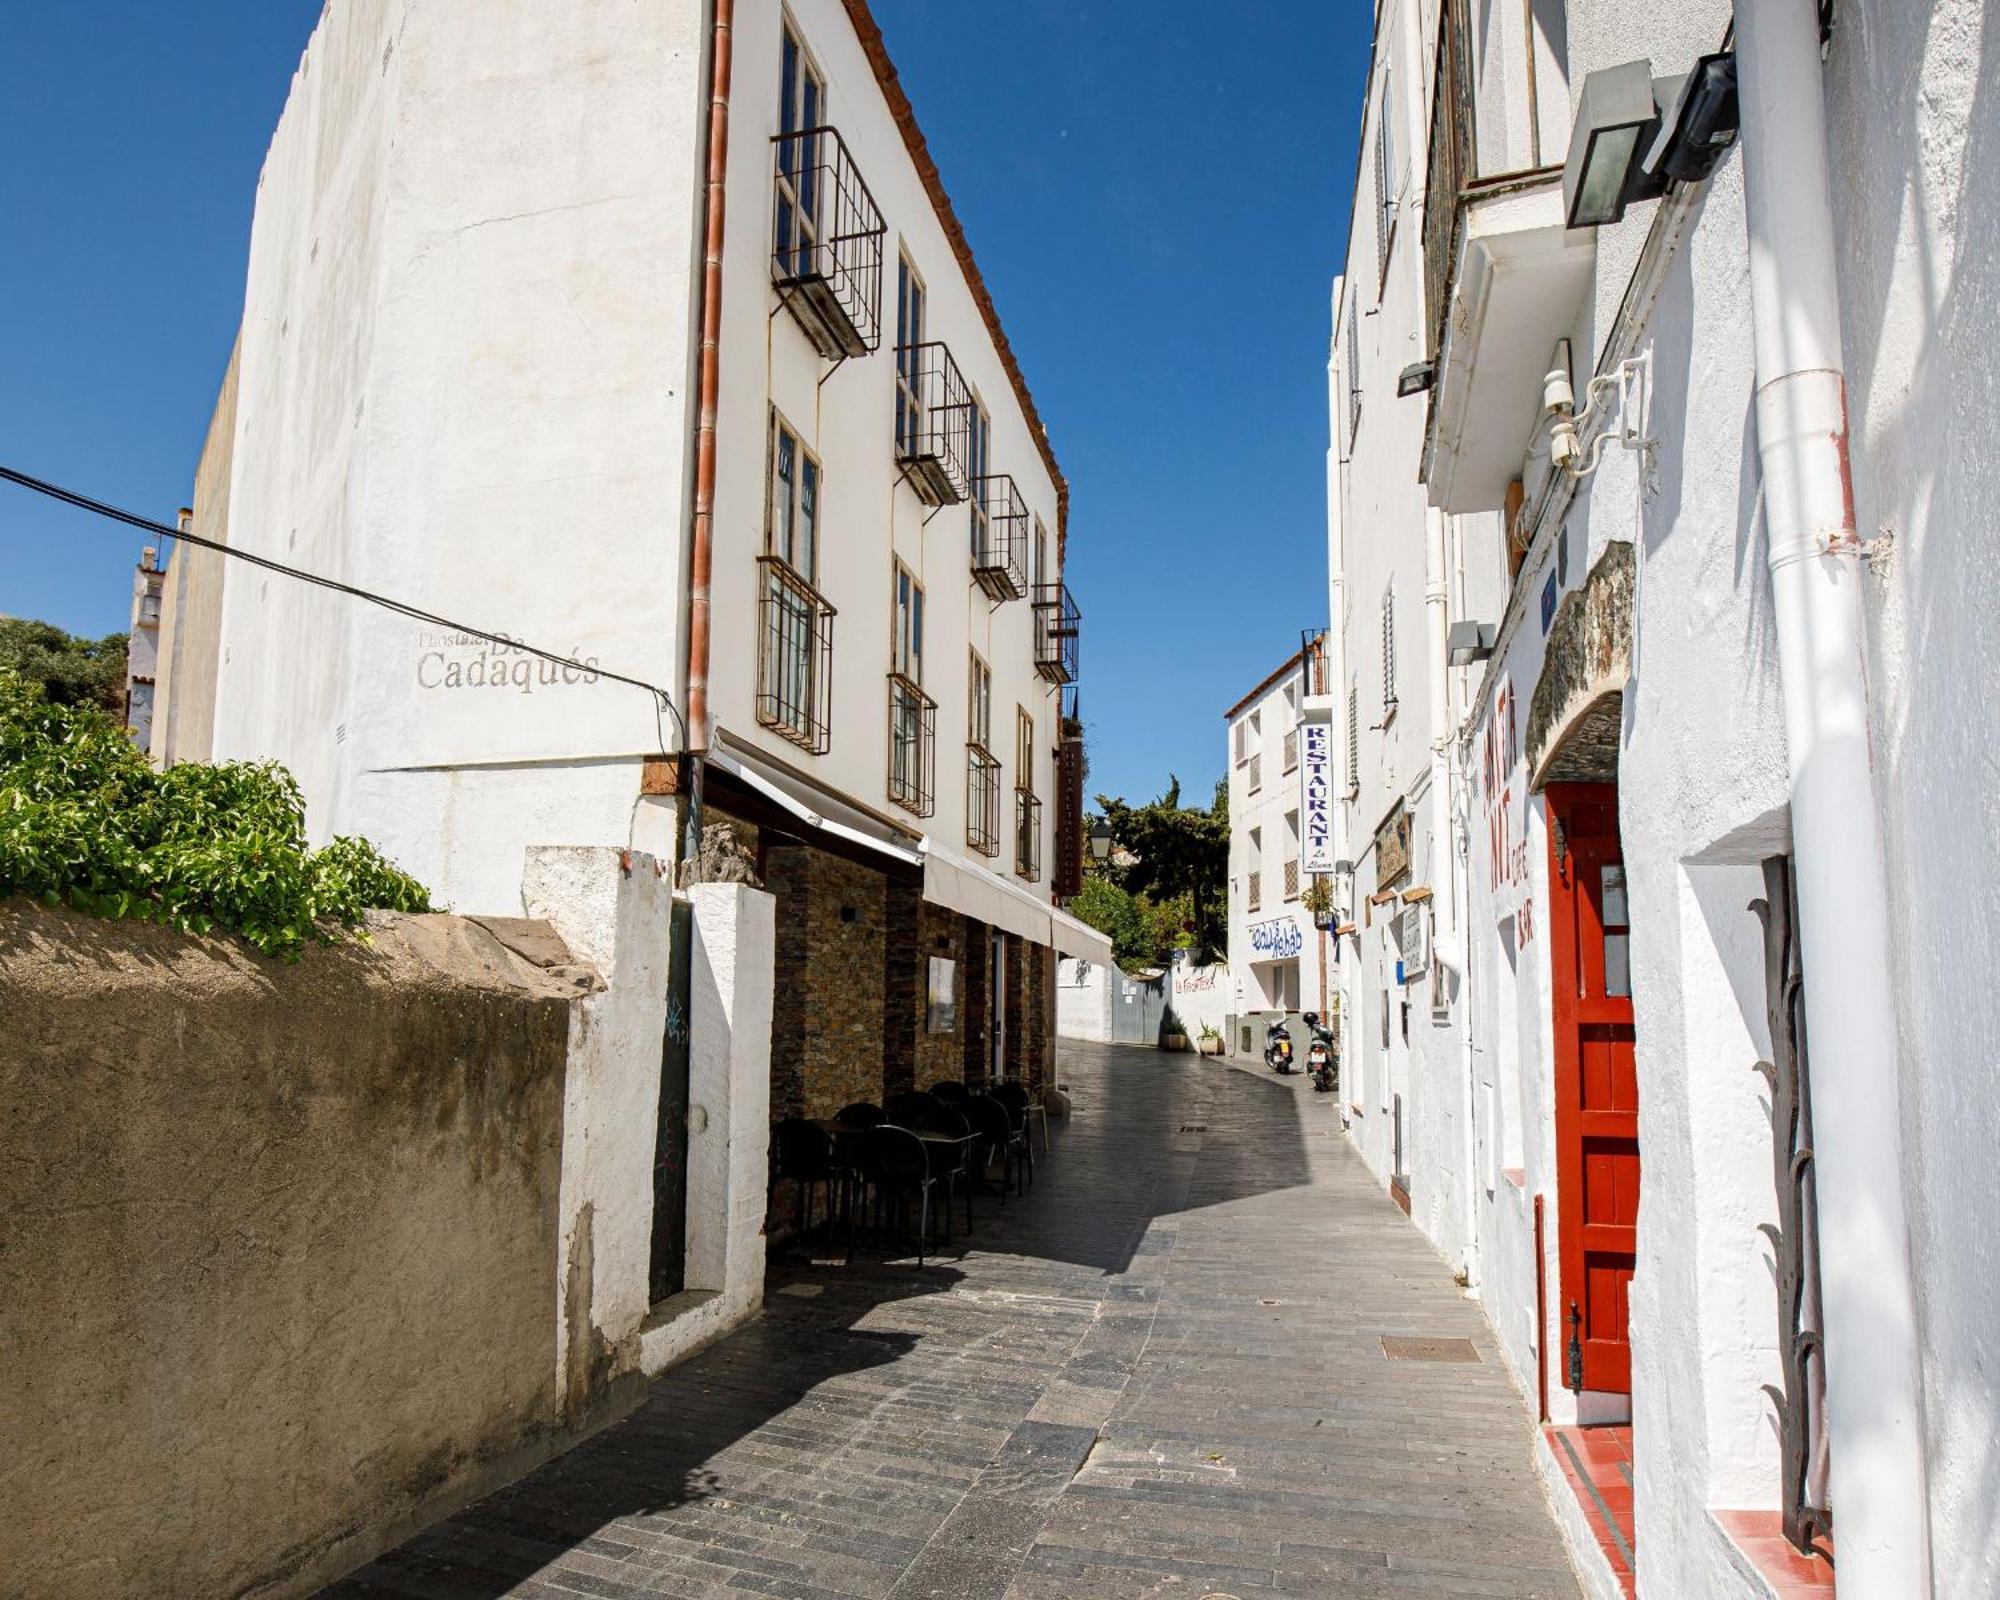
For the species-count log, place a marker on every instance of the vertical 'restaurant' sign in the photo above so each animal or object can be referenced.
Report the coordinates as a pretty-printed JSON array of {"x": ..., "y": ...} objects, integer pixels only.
[{"x": 1316, "y": 847}]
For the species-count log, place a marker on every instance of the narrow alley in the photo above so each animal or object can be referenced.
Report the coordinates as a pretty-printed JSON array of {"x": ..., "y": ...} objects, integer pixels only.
[{"x": 1161, "y": 1372}]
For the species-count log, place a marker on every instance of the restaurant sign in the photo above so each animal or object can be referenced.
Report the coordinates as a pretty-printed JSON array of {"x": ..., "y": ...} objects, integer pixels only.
[{"x": 1316, "y": 792}]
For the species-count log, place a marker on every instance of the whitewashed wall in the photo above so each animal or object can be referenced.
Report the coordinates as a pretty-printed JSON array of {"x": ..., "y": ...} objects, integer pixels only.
[
  {"x": 1083, "y": 1001},
  {"x": 1202, "y": 997},
  {"x": 464, "y": 371}
]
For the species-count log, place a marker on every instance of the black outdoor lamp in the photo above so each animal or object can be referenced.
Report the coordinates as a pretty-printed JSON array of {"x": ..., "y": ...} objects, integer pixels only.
[{"x": 1100, "y": 841}]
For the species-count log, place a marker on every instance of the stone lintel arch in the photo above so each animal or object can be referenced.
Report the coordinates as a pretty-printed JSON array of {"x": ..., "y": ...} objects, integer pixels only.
[{"x": 1576, "y": 718}]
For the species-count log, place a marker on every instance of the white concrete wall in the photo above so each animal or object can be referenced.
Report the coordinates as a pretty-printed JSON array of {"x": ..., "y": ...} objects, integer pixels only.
[
  {"x": 1201, "y": 997},
  {"x": 1083, "y": 1000},
  {"x": 464, "y": 373}
]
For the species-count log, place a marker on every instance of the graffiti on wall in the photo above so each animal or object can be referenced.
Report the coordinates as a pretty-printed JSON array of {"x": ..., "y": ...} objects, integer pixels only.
[{"x": 1277, "y": 938}]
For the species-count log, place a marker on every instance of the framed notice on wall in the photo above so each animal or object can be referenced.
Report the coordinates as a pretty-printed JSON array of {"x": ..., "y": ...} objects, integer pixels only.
[{"x": 941, "y": 1007}]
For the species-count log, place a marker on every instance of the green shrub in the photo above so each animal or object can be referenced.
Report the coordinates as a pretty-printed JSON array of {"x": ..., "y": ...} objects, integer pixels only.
[{"x": 85, "y": 822}]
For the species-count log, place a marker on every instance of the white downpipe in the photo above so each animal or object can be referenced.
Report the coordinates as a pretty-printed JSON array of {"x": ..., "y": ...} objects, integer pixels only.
[
  {"x": 1443, "y": 825},
  {"x": 1874, "y": 1393}
]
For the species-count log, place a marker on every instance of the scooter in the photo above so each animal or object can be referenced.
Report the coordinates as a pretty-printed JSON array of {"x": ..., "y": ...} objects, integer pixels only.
[
  {"x": 1319, "y": 1056},
  {"x": 1278, "y": 1048}
]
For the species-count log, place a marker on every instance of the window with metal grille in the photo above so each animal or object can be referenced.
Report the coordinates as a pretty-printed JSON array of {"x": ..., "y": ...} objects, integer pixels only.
[
  {"x": 794, "y": 657},
  {"x": 1027, "y": 835},
  {"x": 1385, "y": 173},
  {"x": 1353, "y": 370},
  {"x": 1353, "y": 738},
  {"x": 1388, "y": 651},
  {"x": 982, "y": 767}
]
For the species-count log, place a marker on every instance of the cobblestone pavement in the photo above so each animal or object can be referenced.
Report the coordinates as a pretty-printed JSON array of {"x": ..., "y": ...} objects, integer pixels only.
[{"x": 1160, "y": 1373}]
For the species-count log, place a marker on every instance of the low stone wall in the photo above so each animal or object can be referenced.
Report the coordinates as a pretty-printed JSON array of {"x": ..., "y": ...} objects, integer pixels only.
[{"x": 278, "y": 1247}]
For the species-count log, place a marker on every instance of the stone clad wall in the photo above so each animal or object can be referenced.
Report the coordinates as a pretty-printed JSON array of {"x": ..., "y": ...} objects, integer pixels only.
[
  {"x": 280, "y": 1246},
  {"x": 832, "y": 974},
  {"x": 942, "y": 1056}
]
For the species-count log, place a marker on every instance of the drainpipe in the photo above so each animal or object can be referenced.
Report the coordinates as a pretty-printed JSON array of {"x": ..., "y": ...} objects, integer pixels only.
[
  {"x": 1336, "y": 573},
  {"x": 1874, "y": 1394},
  {"x": 708, "y": 386}
]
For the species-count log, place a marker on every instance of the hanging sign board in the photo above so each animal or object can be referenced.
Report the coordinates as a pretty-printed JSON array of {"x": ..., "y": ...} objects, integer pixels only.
[
  {"x": 1413, "y": 939},
  {"x": 1392, "y": 846},
  {"x": 1316, "y": 851}
]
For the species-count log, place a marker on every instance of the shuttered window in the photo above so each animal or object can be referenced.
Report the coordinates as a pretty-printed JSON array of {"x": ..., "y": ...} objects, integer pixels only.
[
  {"x": 1354, "y": 738},
  {"x": 1389, "y": 649}
]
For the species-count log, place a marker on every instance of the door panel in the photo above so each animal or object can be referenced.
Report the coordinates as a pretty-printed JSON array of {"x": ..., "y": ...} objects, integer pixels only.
[{"x": 1597, "y": 1086}]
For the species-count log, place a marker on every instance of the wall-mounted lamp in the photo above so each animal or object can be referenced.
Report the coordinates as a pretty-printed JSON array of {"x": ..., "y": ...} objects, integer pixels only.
[
  {"x": 1635, "y": 133},
  {"x": 1415, "y": 378},
  {"x": 1615, "y": 119},
  {"x": 1467, "y": 642}
]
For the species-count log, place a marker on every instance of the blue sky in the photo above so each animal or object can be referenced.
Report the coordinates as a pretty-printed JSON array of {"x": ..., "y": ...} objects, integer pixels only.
[{"x": 1156, "y": 191}]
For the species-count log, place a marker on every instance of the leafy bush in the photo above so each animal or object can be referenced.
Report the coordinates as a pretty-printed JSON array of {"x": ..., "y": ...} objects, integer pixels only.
[
  {"x": 85, "y": 822},
  {"x": 71, "y": 671}
]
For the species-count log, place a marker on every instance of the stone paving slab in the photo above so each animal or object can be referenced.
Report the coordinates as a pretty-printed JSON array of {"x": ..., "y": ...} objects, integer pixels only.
[{"x": 1158, "y": 1373}]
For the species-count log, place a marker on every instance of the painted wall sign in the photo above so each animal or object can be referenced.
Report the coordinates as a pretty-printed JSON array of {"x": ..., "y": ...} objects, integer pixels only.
[
  {"x": 1278, "y": 938},
  {"x": 1392, "y": 846},
  {"x": 1316, "y": 852}
]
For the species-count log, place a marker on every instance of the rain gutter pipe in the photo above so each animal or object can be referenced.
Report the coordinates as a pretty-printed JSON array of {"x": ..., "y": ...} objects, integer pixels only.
[
  {"x": 708, "y": 385},
  {"x": 1874, "y": 1394}
]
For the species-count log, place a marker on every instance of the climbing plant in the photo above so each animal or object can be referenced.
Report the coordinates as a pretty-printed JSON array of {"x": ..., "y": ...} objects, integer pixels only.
[{"x": 86, "y": 822}]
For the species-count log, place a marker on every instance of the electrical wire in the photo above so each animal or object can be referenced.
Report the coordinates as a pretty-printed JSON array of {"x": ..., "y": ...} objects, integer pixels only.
[{"x": 661, "y": 699}]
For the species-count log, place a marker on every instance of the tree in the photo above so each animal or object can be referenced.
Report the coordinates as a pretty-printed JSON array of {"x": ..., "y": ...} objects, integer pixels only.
[
  {"x": 69, "y": 670},
  {"x": 1175, "y": 860}
]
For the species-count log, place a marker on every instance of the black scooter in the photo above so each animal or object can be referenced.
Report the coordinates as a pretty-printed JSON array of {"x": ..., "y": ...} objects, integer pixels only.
[
  {"x": 1320, "y": 1060},
  {"x": 1278, "y": 1048}
]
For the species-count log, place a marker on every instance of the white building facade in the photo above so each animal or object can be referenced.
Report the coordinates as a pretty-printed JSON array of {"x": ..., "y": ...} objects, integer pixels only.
[
  {"x": 1280, "y": 964},
  {"x": 1704, "y": 480}
]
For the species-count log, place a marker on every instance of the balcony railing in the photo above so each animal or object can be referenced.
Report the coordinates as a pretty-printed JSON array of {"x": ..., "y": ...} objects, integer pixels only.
[
  {"x": 934, "y": 418},
  {"x": 982, "y": 800},
  {"x": 1253, "y": 899},
  {"x": 1450, "y": 167},
  {"x": 1292, "y": 751},
  {"x": 1000, "y": 537},
  {"x": 912, "y": 746},
  {"x": 1027, "y": 835},
  {"x": 1057, "y": 625},
  {"x": 794, "y": 656},
  {"x": 826, "y": 256},
  {"x": 1067, "y": 878},
  {"x": 1291, "y": 880}
]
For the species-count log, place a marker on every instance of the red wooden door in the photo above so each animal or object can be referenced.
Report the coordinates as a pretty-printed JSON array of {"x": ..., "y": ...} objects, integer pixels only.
[{"x": 1596, "y": 1084}]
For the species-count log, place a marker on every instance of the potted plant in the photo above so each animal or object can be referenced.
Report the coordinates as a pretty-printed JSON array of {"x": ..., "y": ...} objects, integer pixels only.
[
  {"x": 1318, "y": 901},
  {"x": 1173, "y": 1032},
  {"x": 1210, "y": 1041}
]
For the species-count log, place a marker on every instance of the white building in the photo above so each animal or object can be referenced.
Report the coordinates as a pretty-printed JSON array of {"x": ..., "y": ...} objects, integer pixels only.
[
  {"x": 645, "y": 336},
  {"x": 1280, "y": 965},
  {"x": 142, "y": 647},
  {"x": 1689, "y": 602}
]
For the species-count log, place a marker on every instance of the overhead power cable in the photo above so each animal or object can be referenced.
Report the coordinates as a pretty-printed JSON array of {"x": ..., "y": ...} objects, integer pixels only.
[{"x": 83, "y": 502}]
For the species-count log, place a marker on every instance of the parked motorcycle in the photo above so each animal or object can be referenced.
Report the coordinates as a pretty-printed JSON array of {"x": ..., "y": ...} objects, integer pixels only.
[
  {"x": 1320, "y": 1060},
  {"x": 1278, "y": 1048}
]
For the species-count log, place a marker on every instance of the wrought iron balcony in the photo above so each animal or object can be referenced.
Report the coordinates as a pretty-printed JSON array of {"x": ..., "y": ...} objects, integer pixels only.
[
  {"x": 1057, "y": 625},
  {"x": 826, "y": 256},
  {"x": 912, "y": 746},
  {"x": 982, "y": 800},
  {"x": 1027, "y": 835},
  {"x": 934, "y": 418},
  {"x": 1000, "y": 537},
  {"x": 794, "y": 656}
]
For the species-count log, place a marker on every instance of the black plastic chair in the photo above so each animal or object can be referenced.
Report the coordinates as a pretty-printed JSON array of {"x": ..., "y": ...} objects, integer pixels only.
[
  {"x": 802, "y": 1154},
  {"x": 1015, "y": 1098},
  {"x": 895, "y": 1161},
  {"x": 951, "y": 1092},
  {"x": 862, "y": 1114},
  {"x": 997, "y": 1140},
  {"x": 908, "y": 1108}
]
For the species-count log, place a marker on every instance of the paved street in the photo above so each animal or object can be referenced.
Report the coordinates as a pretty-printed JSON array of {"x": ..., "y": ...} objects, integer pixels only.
[{"x": 1162, "y": 1373}]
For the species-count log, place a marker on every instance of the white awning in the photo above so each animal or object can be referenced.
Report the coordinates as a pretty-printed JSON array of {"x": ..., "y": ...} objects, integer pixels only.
[
  {"x": 816, "y": 810},
  {"x": 955, "y": 883},
  {"x": 1079, "y": 940}
]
